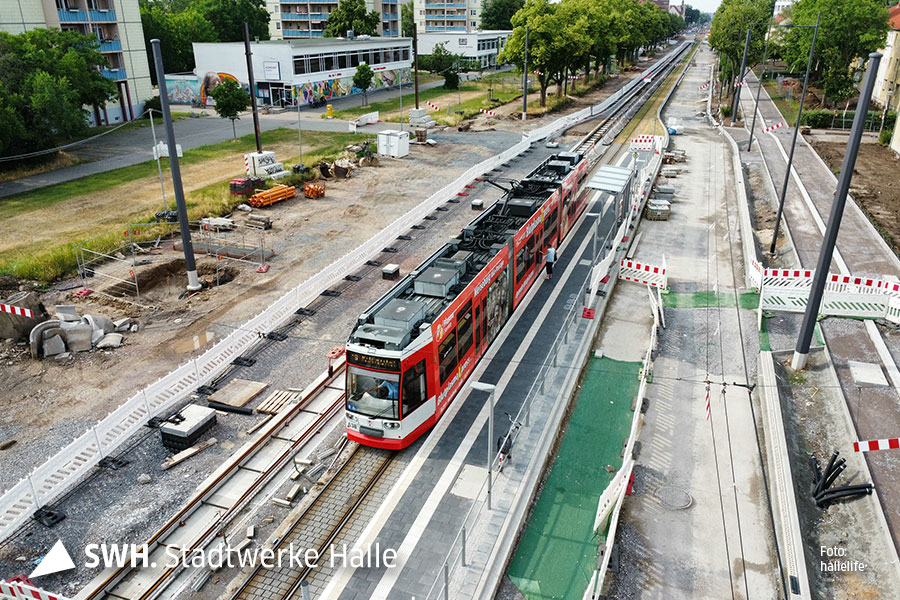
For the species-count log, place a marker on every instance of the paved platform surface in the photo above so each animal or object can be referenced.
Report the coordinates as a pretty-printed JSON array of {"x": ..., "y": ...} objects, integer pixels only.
[
  {"x": 721, "y": 546},
  {"x": 860, "y": 251}
]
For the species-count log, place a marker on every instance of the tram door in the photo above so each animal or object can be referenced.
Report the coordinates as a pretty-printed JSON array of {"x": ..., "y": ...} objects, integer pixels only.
[{"x": 480, "y": 326}]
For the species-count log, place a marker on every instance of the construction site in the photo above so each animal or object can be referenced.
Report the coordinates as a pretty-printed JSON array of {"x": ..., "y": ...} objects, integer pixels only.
[{"x": 520, "y": 357}]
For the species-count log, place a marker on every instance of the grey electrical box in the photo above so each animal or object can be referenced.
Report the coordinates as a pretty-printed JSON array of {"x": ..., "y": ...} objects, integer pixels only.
[
  {"x": 402, "y": 314},
  {"x": 436, "y": 282}
]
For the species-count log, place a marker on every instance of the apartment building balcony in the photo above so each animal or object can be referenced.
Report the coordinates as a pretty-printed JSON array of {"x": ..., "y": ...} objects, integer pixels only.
[
  {"x": 113, "y": 46},
  {"x": 444, "y": 28},
  {"x": 72, "y": 16},
  {"x": 389, "y": 16},
  {"x": 114, "y": 74},
  {"x": 102, "y": 16},
  {"x": 390, "y": 32},
  {"x": 441, "y": 6},
  {"x": 302, "y": 33}
]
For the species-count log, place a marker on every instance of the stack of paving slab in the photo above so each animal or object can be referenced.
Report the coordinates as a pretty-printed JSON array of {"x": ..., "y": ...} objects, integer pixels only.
[
  {"x": 70, "y": 332},
  {"x": 418, "y": 117}
]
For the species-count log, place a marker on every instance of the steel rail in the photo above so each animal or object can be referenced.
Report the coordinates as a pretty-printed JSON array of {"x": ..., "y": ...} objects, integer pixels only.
[
  {"x": 115, "y": 578},
  {"x": 358, "y": 451}
]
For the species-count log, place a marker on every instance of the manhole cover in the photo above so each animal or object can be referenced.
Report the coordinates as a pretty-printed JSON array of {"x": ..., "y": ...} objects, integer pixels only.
[{"x": 674, "y": 498}]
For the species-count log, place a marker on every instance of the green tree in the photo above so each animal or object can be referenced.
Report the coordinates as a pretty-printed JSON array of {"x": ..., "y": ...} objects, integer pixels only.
[
  {"x": 407, "y": 19},
  {"x": 47, "y": 77},
  {"x": 351, "y": 14},
  {"x": 445, "y": 63},
  {"x": 729, "y": 30},
  {"x": 227, "y": 18},
  {"x": 676, "y": 24},
  {"x": 175, "y": 30},
  {"x": 231, "y": 99},
  {"x": 849, "y": 29},
  {"x": 497, "y": 14},
  {"x": 362, "y": 79}
]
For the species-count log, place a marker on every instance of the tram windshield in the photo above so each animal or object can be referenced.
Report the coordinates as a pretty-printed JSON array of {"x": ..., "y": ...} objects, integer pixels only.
[{"x": 373, "y": 393}]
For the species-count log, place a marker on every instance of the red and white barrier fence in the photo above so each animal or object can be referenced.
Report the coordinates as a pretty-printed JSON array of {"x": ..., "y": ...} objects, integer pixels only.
[
  {"x": 16, "y": 310},
  {"x": 652, "y": 275},
  {"x": 20, "y": 591},
  {"x": 487, "y": 112},
  {"x": 643, "y": 142},
  {"x": 872, "y": 445},
  {"x": 704, "y": 86},
  {"x": 774, "y": 127},
  {"x": 432, "y": 106}
]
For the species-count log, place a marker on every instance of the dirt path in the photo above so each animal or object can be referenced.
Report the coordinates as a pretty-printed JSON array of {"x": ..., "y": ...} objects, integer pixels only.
[{"x": 878, "y": 195}]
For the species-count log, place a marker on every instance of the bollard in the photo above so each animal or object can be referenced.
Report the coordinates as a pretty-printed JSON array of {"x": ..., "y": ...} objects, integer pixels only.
[
  {"x": 446, "y": 582},
  {"x": 304, "y": 592},
  {"x": 463, "y": 556}
]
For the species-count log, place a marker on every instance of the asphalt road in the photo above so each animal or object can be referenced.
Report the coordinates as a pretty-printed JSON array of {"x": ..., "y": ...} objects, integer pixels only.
[{"x": 135, "y": 146}]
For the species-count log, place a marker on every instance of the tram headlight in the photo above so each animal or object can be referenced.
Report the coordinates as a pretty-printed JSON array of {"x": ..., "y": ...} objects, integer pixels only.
[{"x": 391, "y": 425}]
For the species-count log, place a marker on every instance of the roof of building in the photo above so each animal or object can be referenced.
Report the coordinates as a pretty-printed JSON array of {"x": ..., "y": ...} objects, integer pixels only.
[
  {"x": 894, "y": 16},
  {"x": 319, "y": 42}
]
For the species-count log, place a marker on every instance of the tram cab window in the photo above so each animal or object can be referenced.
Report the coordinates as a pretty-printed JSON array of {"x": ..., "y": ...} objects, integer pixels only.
[
  {"x": 447, "y": 356},
  {"x": 373, "y": 393},
  {"x": 414, "y": 388}
]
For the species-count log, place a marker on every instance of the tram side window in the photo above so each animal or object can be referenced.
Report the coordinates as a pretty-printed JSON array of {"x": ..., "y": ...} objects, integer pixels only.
[
  {"x": 550, "y": 224},
  {"x": 464, "y": 328},
  {"x": 447, "y": 356},
  {"x": 414, "y": 388},
  {"x": 524, "y": 259}
]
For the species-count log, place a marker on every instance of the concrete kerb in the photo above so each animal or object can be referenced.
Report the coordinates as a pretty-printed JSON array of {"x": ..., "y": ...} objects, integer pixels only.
[{"x": 791, "y": 538}]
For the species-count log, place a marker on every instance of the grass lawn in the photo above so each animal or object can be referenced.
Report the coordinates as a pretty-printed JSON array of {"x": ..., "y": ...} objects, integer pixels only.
[
  {"x": 51, "y": 257},
  {"x": 787, "y": 107}
]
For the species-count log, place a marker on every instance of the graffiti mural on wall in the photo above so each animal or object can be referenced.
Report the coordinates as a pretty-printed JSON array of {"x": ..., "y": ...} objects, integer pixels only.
[
  {"x": 183, "y": 89},
  {"x": 343, "y": 86},
  {"x": 195, "y": 91}
]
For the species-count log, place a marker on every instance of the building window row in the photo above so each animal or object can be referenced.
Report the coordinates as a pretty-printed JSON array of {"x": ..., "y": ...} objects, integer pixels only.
[{"x": 318, "y": 63}]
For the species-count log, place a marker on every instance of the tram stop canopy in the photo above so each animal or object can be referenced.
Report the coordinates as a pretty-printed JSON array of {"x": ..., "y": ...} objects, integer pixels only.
[{"x": 616, "y": 181}]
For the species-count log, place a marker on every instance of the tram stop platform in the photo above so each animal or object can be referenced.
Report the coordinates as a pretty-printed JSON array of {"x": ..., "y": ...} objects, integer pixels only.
[{"x": 436, "y": 514}]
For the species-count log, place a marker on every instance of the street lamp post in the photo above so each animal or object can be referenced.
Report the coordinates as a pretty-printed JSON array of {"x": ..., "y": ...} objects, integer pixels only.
[
  {"x": 490, "y": 389},
  {"x": 801, "y": 351},
  {"x": 762, "y": 75},
  {"x": 738, "y": 86},
  {"x": 787, "y": 173}
]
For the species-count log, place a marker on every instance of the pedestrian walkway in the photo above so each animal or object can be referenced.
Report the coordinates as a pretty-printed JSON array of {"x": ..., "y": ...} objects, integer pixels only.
[{"x": 557, "y": 554}]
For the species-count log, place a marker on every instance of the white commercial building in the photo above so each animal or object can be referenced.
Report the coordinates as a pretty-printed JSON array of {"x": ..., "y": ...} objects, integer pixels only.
[
  {"x": 286, "y": 71},
  {"x": 782, "y": 5},
  {"x": 483, "y": 46},
  {"x": 117, "y": 25}
]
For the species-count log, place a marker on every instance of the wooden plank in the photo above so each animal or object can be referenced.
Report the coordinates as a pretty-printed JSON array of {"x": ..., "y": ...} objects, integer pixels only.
[
  {"x": 186, "y": 454},
  {"x": 238, "y": 392},
  {"x": 276, "y": 401}
]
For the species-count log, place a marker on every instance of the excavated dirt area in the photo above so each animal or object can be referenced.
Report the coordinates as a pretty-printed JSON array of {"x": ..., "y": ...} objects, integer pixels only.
[{"x": 874, "y": 188}]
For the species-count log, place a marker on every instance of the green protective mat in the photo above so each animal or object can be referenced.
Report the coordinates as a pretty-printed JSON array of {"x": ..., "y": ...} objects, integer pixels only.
[
  {"x": 709, "y": 299},
  {"x": 558, "y": 551}
]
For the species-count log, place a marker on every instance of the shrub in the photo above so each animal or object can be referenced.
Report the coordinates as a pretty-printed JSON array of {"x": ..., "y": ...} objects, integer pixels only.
[
  {"x": 155, "y": 104},
  {"x": 884, "y": 138},
  {"x": 819, "y": 118},
  {"x": 725, "y": 110}
]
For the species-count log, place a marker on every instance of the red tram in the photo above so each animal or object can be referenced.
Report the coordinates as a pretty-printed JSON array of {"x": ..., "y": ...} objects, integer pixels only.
[{"x": 410, "y": 352}]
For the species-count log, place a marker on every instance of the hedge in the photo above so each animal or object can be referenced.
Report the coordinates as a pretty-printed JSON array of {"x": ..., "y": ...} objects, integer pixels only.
[{"x": 823, "y": 118}]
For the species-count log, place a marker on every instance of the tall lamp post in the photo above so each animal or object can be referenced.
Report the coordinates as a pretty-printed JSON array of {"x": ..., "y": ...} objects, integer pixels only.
[
  {"x": 762, "y": 76},
  {"x": 787, "y": 173},
  {"x": 801, "y": 351},
  {"x": 737, "y": 92}
]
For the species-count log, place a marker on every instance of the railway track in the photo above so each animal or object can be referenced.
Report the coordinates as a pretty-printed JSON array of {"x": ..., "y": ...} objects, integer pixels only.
[
  {"x": 320, "y": 525},
  {"x": 223, "y": 497},
  {"x": 633, "y": 98}
]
